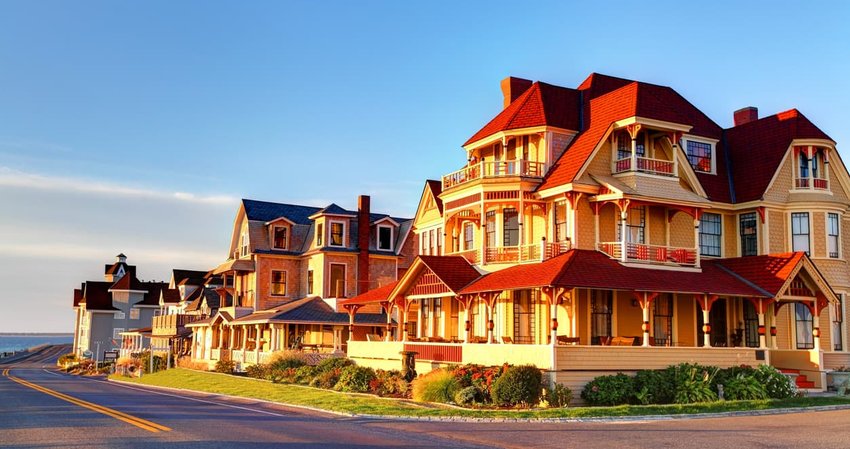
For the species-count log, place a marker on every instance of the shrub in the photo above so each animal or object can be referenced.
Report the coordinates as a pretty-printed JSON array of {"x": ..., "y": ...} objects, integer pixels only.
[
  {"x": 614, "y": 389},
  {"x": 188, "y": 363},
  {"x": 326, "y": 379},
  {"x": 225, "y": 366},
  {"x": 159, "y": 362},
  {"x": 518, "y": 386},
  {"x": 655, "y": 386},
  {"x": 694, "y": 383},
  {"x": 304, "y": 375},
  {"x": 559, "y": 396},
  {"x": 66, "y": 359},
  {"x": 355, "y": 379},
  {"x": 389, "y": 383},
  {"x": 258, "y": 371},
  {"x": 437, "y": 386},
  {"x": 283, "y": 360},
  {"x": 776, "y": 384},
  {"x": 744, "y": 386},
  {"x": 470, "y": 395},
  {"x": 333, "y": 363},
  {"x": 479, "y": 376}
]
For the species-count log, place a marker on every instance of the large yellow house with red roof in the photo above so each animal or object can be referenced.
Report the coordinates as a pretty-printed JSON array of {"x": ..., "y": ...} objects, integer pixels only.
[{"x": 615, "y": 227}]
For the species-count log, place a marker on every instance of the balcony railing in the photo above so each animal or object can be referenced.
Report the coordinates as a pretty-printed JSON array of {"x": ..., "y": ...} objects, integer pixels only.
[
  {"x": 492, "y": 169},
  {"x": 816, "y": 183},
  {"x": 532, "y": 252},
  {"x": 657, "y": 254},
  {"x": 646, "y": 165}
]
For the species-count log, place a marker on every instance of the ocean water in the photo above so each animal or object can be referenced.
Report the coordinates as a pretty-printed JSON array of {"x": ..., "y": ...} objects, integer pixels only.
[{"x": 10, "y": 343}]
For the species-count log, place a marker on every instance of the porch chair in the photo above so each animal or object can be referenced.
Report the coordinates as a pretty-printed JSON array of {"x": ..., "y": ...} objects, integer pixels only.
[
  {"x": 373, "y": 337},
  {"x": 563, "y": 340}
]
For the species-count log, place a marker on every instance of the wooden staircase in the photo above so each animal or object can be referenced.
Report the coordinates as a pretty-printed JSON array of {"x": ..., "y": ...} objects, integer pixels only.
[{"x": 802, "y": 381}]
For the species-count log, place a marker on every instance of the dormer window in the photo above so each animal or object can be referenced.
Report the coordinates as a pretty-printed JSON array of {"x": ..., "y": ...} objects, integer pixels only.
[
  {"x": 280, "y": 237},
  {"x": 320, "y": 234},
  {"x": 337, "y": 233},
  {"x": 700, "y": 156},
  {"x": 385, "y": 238},
  {"x": 243, "y": 244},
  {"x": 811, "y": 169}
]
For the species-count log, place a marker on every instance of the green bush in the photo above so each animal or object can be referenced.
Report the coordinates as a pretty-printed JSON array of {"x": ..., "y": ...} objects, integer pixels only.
[
  {"x": 159, "y": 362},
  {"x": 744, "y": 386},
  {"x": 559, "y": 396},
  {"x": 284, "y": 360},
  {"x": 470, "y": 395},
  {"x": 225, "y": 366},
  {"x": 614, "y": 389},
  {"x": 437, "y": 386},
  {"x": 694, "y": 383},
  {"x": 655, "y": 386},
  {"x": 776, "y": 384},
  {"x": 355, "y": 379},
  {"x": 286, "y": 376},
  {"x": 258, "y": 371},
  {"x": 518, "y": 386},
  {"x": 333, "y": 363},
  {"x": 304, "y": 375},
  {"x": 389, "y": 383},
  {"x": 326, "y": 379}
]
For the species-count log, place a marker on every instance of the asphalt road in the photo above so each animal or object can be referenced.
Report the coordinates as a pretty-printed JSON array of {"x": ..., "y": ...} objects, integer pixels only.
[{"x": 42, "y": 408}]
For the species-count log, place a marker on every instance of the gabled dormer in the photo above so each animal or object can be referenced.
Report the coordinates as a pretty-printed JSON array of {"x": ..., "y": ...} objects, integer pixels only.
[
  {"x": 280, "y": 233},
  {"x": 332, "y": 227}
]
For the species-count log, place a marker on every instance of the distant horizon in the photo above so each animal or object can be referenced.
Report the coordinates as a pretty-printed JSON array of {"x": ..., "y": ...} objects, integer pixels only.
[{"x": 35, "y": 333}]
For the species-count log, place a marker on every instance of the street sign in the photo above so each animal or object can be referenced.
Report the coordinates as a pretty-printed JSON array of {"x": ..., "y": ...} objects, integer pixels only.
[{"x": 110, "y": 356}]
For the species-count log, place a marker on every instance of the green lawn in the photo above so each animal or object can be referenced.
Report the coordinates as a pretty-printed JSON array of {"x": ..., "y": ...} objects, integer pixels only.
[{"x": 371, "y": 405}]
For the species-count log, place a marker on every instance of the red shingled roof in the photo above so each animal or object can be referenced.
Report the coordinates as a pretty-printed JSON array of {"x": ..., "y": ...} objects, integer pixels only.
[
  {"x": 96, "y": 296},
  {"x": 78, "y": 296},
  {"x": 373, "y": 296},
  {"x": 592, "y": 269},
  {"x": 770, "y": 272},
  {"x": 542, "y": 104},
  {"x": 763, "y": 143},
  {"x": 454, "y": 271}
]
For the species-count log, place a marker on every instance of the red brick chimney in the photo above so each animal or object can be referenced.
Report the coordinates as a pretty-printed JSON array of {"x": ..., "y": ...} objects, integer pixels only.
[
  {"x": 746, "y": 115},
  {"x": 363, "y": 243},
  {"x": 512, "y": 88}
]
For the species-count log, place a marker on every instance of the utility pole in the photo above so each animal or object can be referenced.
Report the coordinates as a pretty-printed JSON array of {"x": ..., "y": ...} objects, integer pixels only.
[{"x": 97, "y": 355}]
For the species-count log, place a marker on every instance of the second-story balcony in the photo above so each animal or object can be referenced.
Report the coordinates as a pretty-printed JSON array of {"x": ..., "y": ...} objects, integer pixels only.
[
  {"x": 811, "y": 183},
  {"x": 533, "y": 252},
  {"x": 494, "y": 169},
  {"x": 646, "y": 165},
  {"x": 170, "y": 325},
  {"x": 653, "y": 254}
]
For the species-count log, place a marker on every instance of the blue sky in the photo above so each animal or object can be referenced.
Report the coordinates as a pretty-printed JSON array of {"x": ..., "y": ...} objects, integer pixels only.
[{"x": 135, "y": 126}]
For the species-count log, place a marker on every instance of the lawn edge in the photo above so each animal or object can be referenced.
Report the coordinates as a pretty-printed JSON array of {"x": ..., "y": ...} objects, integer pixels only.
[{"x": 639, "y": 418}]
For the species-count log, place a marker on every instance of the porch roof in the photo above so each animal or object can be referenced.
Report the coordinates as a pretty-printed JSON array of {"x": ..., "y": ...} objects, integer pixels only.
[
  {"x": 592, "y": 269},
  {"x": 772, "y": 273},
  {"x": 310, "y": 310},
  {"x": 234, "y": 265},
  {"x": 374, "y": 296}
]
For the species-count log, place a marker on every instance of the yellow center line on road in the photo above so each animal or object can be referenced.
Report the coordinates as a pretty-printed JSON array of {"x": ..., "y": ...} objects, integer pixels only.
[{"x": 121, "y": 416}]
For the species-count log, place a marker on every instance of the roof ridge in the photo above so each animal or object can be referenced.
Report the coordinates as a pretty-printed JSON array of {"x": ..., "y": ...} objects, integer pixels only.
[{"x": 746, "y": 281}]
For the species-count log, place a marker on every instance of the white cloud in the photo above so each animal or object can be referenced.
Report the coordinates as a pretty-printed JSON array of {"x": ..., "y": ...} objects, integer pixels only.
[{"x": 15, "y": 178}]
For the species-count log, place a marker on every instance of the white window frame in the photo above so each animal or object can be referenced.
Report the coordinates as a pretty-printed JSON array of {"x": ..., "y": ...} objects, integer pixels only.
[
  {"x": 378, "y": 239},
  {"x": 135, "y": 313},
  {"x": 243, "y": 244},
  {"x": 838, "y": 237},
  {"x": 272, "y": 232},
  {"x": 120, "y": 315},
  {"x": 285, "y": 283},
  {"x": 791, "y": 229},
  {"x": 713, "y": 145},
  {"x": 331, "y": 224},
  {"x": 116, "y": 332}
]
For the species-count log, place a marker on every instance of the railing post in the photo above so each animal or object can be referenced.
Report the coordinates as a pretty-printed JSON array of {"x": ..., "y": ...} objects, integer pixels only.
[
  {"x": 543, "y": 248},
  {"x": 624, "y": 215}
]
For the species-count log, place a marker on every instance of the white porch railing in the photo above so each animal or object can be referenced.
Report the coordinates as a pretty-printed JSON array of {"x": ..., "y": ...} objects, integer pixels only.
[
  {"x": 265, "y": 356},
  {"x": 215, "y": 354},
  {"x": 250, "y": 357},
  {"x": 639, "y": 252},
  {"x": 646, "y": 165},
  {"x": 532, "y": 252},
  {"x": 236, "y": 355},
  {"x": 492, "y": 169}
]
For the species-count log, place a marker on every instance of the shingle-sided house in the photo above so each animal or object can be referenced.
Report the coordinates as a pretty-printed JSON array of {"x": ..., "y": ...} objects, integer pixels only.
[
  {"x": 105, "y": 309},
  {"x": 288, "y": 266},
  {"x": 616, "y": 227}
]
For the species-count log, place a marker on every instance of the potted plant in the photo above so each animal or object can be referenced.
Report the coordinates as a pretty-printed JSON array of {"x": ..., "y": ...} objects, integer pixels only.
[{"x": 841, "y": 379}]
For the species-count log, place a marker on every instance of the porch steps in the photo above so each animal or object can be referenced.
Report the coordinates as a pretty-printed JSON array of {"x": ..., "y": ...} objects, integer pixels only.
[{"x": 803, "y": 382}]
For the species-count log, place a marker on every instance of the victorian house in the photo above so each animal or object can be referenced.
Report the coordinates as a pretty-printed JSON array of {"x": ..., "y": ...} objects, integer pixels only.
[
  {"x": 287, "y": 267},
  {"x": 616, "y": 227}
]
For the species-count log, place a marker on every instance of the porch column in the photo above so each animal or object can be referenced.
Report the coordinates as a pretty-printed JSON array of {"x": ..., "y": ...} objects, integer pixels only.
[
  {"x": 257, "y": 342},
  {"x": 645, "y": 325},
  {"x": 244, "y": 342},
  {"x": 816, "y": 328},
  {"x": 634, "y": 136},
  {"x": 220, "y": 337},
  {"x": 624, "y": 216},
  {"x": 696, "y": 238},
  {"x": 706, "y": 329},
  {"x": 403, "y": 312},
  {"x": 490, "y": 324},
  {"x": 761, "y": 331},
  {"x": 553, "y": 307},
  {"x": 389, "y": 310},
  {"x": 274, "y": 333},
  {"x": 230, "y": 337}
]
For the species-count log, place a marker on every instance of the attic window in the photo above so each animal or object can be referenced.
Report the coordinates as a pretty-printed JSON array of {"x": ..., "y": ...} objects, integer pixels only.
[
  {"x": 701, "y": 156},
  {"x": 244, "y": 244},
  {"x": 337, "y": 233},
  {"x": 385, "y": 238},
  {"x": 280, "y": 235}
]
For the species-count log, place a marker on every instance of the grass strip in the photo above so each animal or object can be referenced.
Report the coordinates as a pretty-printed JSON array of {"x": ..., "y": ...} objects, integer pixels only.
[{"x": 372, "y": 405}]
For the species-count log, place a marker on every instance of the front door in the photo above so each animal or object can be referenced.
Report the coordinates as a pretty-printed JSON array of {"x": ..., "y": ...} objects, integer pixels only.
[
  {"x": 717, "y": 318},
  {"x": 337, "y": 287}
]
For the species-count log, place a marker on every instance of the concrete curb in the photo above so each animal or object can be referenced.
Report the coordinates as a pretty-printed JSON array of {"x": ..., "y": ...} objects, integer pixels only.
[{"x": 767, "y": 412}]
